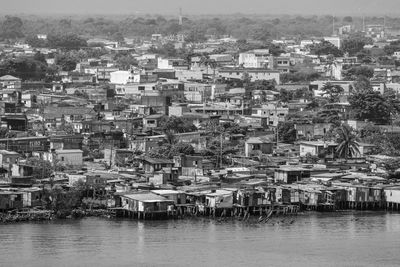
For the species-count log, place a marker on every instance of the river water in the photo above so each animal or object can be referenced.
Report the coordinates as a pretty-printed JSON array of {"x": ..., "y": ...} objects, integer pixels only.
[{"x": 316, "y": 239}]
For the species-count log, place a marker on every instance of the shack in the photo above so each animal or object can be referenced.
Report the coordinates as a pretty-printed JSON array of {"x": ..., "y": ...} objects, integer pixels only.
[
  {"x": 219, "y": 199},
  {"x": 144, "y": 205},
  {"x": 178, "y": 197},
  {"x": 10, "y": 200}
]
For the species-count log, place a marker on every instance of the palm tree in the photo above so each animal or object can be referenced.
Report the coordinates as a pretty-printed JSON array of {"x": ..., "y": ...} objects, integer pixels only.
[
  {"x": 209, "y": 63},
  {"x": 348, "y": 146}
]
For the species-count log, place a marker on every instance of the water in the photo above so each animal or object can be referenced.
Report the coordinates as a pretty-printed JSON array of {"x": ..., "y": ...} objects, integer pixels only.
[{"x": 345, "y": 239}]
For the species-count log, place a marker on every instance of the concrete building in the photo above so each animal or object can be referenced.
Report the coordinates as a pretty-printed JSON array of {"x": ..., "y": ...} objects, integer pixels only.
[
  {"x": 257, "y": 58},
  {"x": 255, "y": 146},
  {"x": 254, "y": 74},
  {"x": 70, "y": 156}
]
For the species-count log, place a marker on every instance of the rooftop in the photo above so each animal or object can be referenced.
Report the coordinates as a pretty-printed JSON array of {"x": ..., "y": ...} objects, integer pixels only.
[{"x": 147, "y": 197}]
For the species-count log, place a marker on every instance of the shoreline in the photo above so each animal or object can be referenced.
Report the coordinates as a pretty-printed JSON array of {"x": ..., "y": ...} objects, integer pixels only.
[{"x": 6, "y": 218}]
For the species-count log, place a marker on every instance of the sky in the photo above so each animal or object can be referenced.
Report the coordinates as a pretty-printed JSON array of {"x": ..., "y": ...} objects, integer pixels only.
[{"x": 317, "y": 7}]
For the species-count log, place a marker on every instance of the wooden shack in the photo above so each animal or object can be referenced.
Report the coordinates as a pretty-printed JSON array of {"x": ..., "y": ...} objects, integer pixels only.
[
  {"x": 10, "y": 200},
  {"x": 146, "y": 205}
]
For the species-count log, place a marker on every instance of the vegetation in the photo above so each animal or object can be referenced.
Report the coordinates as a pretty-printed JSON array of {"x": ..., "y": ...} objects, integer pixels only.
[
  {"x": 348, "y": 147},
  {"x": 286, "y": 132}
]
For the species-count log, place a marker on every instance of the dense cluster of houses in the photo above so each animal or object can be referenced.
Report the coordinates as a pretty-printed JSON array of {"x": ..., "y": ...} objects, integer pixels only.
[{"x": 102, "y": 124}]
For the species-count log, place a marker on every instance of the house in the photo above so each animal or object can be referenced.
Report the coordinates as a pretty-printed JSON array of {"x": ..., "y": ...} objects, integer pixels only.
[
  {"x": 32, "y": 197},
  {"x": 178, "y": 197},
  {"x": 152, "y": 121},
  {"x": 392, "y": 195},
  {"x": 11, "y": 200},
  {"x": 324, "y": 149},
  {"x": 250, "y": 198},
  {"x": 255, "y": 74},
  {"x": 290, "y": 174},
  {"x": 10, "y": 82},
  {"x": 255, "y": 146},
  {"x": 151, "y": 165},
  {"x": 219, "y": 199},
  {"x": 144, "y": 202},
  {"x": 312, "y": 130},
  {"x": 70, "y": 156},
  {"x": 317, "y": 148}
]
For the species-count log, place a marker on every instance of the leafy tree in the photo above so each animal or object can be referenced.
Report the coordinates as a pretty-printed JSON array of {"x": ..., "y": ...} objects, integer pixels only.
[
  {"x": 354, "y": 72},
  {"x": 348, "y": 19},
  {"x": 34, "y": 41},
  {"x": 11, "y": 28},
  {"x": 285, "y": 95},
  {"x": 362, "y": 84},
  {"x": 299, "y": 76},
  {"x": 217, "y": 149},
  {"x": 41, "y": 168},
  {"x": 304, "y": 93},
  {"x": 373, "y": 106},
  {"x": 392, "y": 47},
  {"x": 118, "y": 37},
  {"x": 25, "y": 68},
  {"x": 332, "y": 92},
  {"x": 177, "y": 125},
  {"x": 348, "y": 146},
  {"x": 67, "y": 41},
  {"x": 286, "y": 131},
  {"x": 354, "y": 44},
  {"x": 66, "y": 61},
  {"x": 326, "y": 48},
  {"x": 125, "y": 62}
]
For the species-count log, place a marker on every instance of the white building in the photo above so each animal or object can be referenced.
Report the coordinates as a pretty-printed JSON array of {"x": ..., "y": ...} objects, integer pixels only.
[
  {"x": 257, "y": 58},
  {"x": 334, "y": 40},
  {"x": 254, "y": 74},
  {"x": 121, "y": 77}
]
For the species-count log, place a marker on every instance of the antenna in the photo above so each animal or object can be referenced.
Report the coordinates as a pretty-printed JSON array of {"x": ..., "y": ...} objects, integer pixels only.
[
  {"x": 180, "y": 16},
  {"x": 363, "y": 21},
  {"x": 384, "y": 24}
]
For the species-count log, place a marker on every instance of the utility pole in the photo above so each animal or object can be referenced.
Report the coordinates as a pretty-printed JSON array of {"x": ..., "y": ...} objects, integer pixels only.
[
  {"x": 220, "y": 154},
  {"x": 333, "y": 25},
  {"x": 180, "y": 17}
]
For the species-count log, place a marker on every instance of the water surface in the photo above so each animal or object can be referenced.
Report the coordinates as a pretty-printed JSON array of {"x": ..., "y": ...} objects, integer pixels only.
[{"x": 334, "y": 239}]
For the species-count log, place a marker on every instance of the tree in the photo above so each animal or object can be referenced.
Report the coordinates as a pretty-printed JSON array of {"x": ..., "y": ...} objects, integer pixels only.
[
  {"x": 41, "y": 168},
  {"x": 286, "y": 132},
  {"x": 332, "y": 92},
  {"x": 348, "y": 147},
  {"x": 370, "y": 105},
  {"x": 392, "y": 47},
  {"x": 326, "y": 48},
  {"x": 118, "y": 37},
  {"x": 354, "y": 72},
  {"x": 34, "y": 41},
  {"x": 67, "y": 41},
  {"x": 299, "y": 76},
  {"x": 348, "y": 19},
  {"x": 285, "y": 95},
  {"x": 209, "y": 63},
  {"x": 11, "y": 28},
  {"x": 26, "y": 68},
  {"x": 327, "y": 115},
  {"x": 66, "y": 61},
  {"x": 354, "y": 44},
  {"x": 175, "y": 124},
  {"x": 125, "y": 62}
]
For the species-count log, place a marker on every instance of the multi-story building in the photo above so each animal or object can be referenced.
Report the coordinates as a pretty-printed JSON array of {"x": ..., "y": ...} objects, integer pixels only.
[{"x": 257, "y": 58}]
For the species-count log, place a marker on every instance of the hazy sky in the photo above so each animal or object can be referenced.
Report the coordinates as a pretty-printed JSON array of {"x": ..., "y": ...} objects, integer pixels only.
[{"x": 202, "y": 6}]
